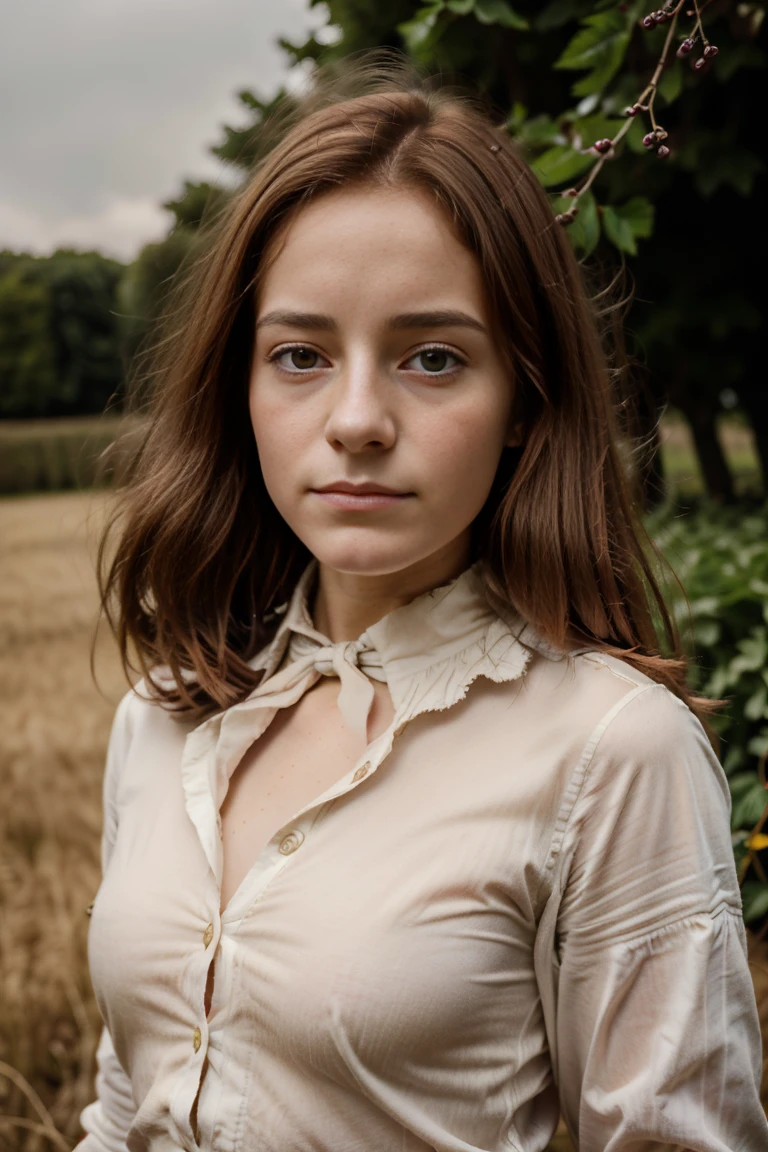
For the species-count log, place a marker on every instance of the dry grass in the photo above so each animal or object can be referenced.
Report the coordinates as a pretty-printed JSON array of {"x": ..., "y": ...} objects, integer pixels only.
[{"x": 52, "y": 742}]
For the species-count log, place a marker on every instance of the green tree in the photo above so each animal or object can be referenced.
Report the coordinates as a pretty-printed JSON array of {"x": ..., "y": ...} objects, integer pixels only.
[
  {"x": 27, "y": 356},
  {"x": 144, "y": 291},
  {"x": 84, "y": 328},
  {"x": 64, "y": 322}
]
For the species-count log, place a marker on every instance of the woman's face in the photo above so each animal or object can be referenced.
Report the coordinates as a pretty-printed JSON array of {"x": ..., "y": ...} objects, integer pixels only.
[{"x": 375, "y": 363}]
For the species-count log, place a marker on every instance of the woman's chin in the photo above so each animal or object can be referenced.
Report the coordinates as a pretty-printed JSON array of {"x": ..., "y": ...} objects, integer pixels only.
[{"x": 363, "y": 554}]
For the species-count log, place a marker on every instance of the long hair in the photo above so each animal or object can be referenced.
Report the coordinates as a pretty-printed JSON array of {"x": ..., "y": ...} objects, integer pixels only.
[{"x": 196, "y": 555}]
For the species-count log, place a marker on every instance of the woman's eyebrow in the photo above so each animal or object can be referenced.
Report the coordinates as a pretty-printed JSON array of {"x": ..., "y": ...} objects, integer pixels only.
[{"x": 442, "y": 318}]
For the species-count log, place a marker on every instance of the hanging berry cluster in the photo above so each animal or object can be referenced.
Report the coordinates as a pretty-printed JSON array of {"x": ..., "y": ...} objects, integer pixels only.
[{"x": 654, "y": 139}]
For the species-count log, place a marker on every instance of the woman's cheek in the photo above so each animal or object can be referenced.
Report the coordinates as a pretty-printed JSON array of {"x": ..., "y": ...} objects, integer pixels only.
[{"x": 467, "y": 449}]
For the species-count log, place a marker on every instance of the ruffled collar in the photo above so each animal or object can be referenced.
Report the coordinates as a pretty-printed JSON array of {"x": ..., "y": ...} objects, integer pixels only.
[{"x": 431, "y": 649}]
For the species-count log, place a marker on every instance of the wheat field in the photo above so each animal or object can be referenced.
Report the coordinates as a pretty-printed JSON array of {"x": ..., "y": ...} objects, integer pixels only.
[
  {"x": 53, "y": 734},
  {"x": 55, "y": 724}
]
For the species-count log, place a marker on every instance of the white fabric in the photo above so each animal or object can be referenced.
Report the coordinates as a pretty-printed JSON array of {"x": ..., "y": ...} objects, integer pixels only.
[{"x": 521, "y": 899}]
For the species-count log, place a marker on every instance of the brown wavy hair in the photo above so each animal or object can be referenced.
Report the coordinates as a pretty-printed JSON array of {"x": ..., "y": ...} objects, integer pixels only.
[{"x": 196, "y": 555}]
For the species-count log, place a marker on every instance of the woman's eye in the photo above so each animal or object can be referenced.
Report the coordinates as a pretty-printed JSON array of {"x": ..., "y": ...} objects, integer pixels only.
[
  {"x": 302, "y": 359},
  {"x": 434, "y": 361},
  {"x": 299, "y": 359}
]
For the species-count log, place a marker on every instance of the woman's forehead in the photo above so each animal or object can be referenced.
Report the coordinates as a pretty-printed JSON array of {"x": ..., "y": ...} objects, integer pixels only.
[{"x": 397, "y": 248}]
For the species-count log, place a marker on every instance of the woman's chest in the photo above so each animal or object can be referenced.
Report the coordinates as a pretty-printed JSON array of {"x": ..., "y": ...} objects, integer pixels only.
[
  {"x": 305, "y": 750},
  {"x": 411, "y": 897}
]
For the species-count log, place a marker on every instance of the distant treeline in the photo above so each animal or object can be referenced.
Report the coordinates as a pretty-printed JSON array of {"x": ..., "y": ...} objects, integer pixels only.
[{"x": 61, "y": 343}]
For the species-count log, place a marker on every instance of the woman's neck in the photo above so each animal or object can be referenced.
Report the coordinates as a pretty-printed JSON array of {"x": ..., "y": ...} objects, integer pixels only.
[{"x": 344, "y": 604}]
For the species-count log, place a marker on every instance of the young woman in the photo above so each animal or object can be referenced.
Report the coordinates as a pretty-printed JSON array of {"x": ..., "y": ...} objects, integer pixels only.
[{"x": 413, "y": 838}]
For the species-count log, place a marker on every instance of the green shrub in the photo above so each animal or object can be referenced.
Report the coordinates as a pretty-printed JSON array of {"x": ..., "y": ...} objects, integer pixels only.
[{"x": 720, "y": 556}]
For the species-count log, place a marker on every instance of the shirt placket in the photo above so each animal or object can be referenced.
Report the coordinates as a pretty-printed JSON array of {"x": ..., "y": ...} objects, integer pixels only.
[{"x": 220, "y": 937}]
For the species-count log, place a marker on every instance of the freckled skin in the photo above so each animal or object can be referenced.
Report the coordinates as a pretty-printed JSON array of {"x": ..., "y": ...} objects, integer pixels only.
[{"x": 361, "y": 404}]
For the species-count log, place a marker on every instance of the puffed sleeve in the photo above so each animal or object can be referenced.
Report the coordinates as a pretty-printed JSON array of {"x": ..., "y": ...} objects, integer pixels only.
[
  {"x": 658, "y": 1041},
  {"x": 107, "y": 1120}
]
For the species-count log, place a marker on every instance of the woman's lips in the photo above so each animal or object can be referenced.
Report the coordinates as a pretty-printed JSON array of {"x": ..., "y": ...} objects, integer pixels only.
[{"x": 362, "y": 501}]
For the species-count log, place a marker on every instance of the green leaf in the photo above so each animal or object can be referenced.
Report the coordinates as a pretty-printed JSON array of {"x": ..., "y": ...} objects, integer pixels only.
[
  {"x": 705, "y": 606},
  {"x": 734, "y": 757},
  {"x": 754, "y": 899},
  {"x": 619, "y": 231},
  {"x": 717, "y": 684},
  {"x": 416, "y": 31},
  {"x": 517, "y": 117},
  {"x": 750, "y": 806},
  {"x": 626, "y": 223},
  {"x": 639, "y": 212},
  {"x": 754, "y": 652},
  {"x": 540, "y": 132},
  {"x": 708, "y": 633},
  {"x": 584, "y": 232},
  {"x": 460, "y": 7},
  {"x": 600, "y": 45},
  {"x": 755, "y": 707},
  {"x": 671, "y": 83},
  {"x": 560, "y": 164},
  {"x": 592, "y": 128},
  {"x": 741, "y": 783},
  {"x": 499, "y": 12},
  {"x": 556, "y": 14},
  {"x": 735, "y": 167},
  {"x": 758, "y": 745}
]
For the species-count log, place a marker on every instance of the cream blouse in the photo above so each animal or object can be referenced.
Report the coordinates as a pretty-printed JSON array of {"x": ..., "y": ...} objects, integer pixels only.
[{"x": 522, "y": 899}]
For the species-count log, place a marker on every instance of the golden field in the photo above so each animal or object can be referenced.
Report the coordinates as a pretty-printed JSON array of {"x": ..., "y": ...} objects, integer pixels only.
[{"x": 53, "y": 734}]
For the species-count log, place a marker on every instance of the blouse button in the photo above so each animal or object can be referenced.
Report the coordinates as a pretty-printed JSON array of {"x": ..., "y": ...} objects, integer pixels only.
[
  {"x": 362, "y": 771},
  {"x": 197, "y": 1039},
  {"x": 290, "y": 843},
  {"x": 208, "y": 935}
]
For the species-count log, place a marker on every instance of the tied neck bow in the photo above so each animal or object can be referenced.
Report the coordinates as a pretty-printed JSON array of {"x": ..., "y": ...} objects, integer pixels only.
[{"x": 355, "y": 662}]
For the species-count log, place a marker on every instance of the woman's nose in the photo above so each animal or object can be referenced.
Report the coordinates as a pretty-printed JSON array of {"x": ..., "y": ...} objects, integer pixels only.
[{"x": 360, "y": 415}]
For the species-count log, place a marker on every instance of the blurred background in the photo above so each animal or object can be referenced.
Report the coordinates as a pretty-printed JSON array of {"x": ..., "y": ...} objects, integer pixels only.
[{"x": 126, "y": 127}]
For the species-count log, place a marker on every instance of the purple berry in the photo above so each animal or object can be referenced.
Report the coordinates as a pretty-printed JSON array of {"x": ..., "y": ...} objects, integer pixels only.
[
  {"x": 649, "y": 140},
  {"x": 662, "y": 151},
  {"x": 649, "y": 21},
  {"x": 685, "y": 48},
  {"x": 661, "y": 16},
  {"x": 710, "y": 51},
  {"x": 602, "y": 146},
  {"x": 700, "y": 65},
  {"x": 571, "y": 192},
  {"x": 631, "y": 111}
]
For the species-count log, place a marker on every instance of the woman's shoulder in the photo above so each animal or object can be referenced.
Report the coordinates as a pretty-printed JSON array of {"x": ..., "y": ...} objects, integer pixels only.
[
  {"x": 597, "y": 708},
  {"x": 645, "y": 710},
  {"x": 640, "y": 738},
  {"x": 140, "y": 709}
]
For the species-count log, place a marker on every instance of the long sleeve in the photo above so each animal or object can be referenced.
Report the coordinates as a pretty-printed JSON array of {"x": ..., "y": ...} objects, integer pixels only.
[
  {"x": 657, "y": 1029},
  {"x": 108, "y": 1118}
]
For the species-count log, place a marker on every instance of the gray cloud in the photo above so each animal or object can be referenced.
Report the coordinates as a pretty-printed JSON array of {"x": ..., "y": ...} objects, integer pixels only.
[{"x": 109, "y": 104}]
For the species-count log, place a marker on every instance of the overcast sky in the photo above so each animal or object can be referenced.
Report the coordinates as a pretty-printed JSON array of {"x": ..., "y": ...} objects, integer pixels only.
[{"x": 107, "y": 105}]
